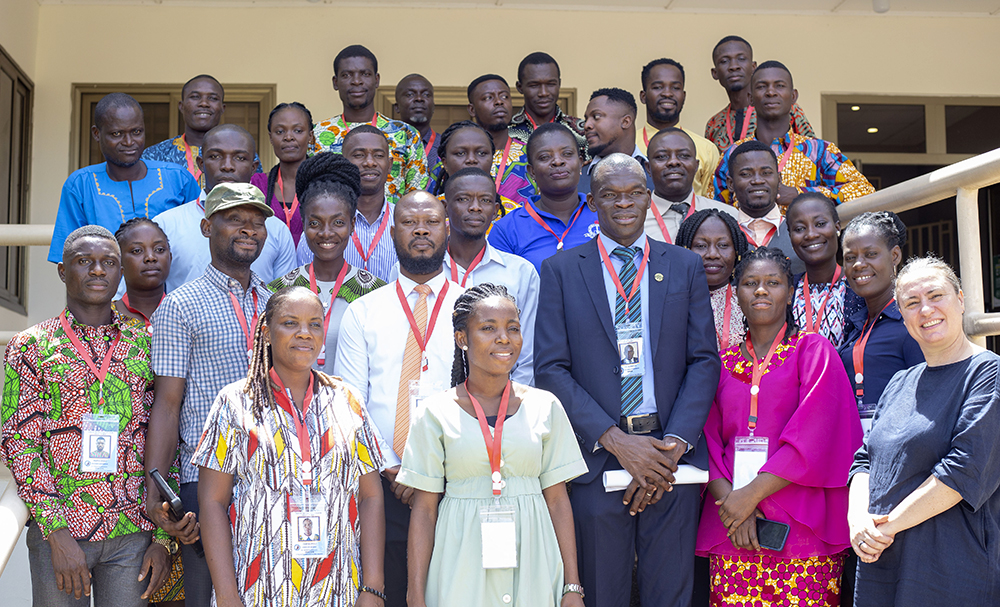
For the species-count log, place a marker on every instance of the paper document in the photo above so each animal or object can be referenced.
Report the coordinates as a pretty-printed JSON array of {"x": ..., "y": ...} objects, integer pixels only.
[{"x": 618, "y": 480}]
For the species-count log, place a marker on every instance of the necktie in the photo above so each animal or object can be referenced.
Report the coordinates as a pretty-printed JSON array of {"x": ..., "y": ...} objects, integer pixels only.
[
  {"x": 410, "y": 371},
  {"x": 631, "y": 386},
  {"x": 680, "y": 207},
  {"x": 760, "y": 228}
]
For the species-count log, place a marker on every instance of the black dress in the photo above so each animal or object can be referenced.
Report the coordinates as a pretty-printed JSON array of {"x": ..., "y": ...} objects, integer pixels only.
[{"x": 943, "y": 421}]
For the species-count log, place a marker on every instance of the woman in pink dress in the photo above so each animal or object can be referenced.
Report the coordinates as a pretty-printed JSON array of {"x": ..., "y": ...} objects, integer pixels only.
[{"x": 805, "y": 430}]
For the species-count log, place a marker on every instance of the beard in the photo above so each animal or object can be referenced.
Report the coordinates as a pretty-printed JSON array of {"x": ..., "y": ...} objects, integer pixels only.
[
  {"x": 420, "y": 266},
  {"x": 496, "y": 127},
  {"x": 123, "y": 165},
  {"x": 242, "y": 258},
  {"x": 660, "y": 116}
]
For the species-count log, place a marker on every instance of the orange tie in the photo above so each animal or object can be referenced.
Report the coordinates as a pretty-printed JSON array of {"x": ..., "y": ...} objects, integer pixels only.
[{"x": 410, "y": 371}]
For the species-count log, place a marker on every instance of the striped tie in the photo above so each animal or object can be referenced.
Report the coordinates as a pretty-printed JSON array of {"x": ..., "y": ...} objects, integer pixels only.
[
  {"x": 410, "y": 371},
  {"x": 631, "y": 386}
]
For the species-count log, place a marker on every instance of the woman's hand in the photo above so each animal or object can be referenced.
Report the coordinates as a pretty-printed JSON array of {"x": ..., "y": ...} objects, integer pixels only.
[
  {"x": 867, "y": 540},
  {"x": 736, "y": 507},
  {"x": 367, "y": 599},
  {"x": 571, "y": 599},
  {"x": 745, "y": 536}
]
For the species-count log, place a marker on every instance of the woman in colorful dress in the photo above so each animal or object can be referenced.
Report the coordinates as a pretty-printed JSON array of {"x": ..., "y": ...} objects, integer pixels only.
[
  {"x": 717, "y": 237},
  {"x": 823, "y": 300},
  {"x": 785, "y": 459},
  {"x": 145, "y": 266},
  {"x": 467, "y": 144},
  {"x": 523, "y": 471},
  {"x": 290, "y": 452},
  {"x": 328, "y": 187}
]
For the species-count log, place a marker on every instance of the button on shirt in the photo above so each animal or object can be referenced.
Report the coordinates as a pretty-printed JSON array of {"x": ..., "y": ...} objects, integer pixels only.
[
  {"x": 371, "y": 344},
  {"x": 519, "y": 234},
  {"x": 199, "y": 338},
  {"x": 192, "y": 255},
  {"x": 383, "y": 259}
]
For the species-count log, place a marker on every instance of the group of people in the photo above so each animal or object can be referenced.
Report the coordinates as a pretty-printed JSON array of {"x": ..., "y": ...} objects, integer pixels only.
[{"x": 671, "y": 375}]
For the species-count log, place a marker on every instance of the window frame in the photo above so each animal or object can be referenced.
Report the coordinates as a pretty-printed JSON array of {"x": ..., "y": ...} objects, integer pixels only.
[{"x": 16, "y": 300}]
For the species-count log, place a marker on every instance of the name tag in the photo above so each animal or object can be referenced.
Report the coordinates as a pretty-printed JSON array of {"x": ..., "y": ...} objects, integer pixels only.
[
  {"x": 99, "y": 444},
  {"x": 867, "y": 412},
  {"x": 499, "y": 537},
  {"x": 751, "y": 455},
  {"x": 420, "y": 389},
  {"x": 630, "y": 349},
  {"x": 308, "y": 527}
]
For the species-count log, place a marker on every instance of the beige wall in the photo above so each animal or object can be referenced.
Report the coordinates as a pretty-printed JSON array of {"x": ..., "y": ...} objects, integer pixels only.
[
  {"x": 19, "y": 32},
  {"x": 294, "y": 47}
]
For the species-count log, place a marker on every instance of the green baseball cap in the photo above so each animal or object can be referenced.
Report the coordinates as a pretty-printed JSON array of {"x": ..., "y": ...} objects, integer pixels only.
[{"x": 228, "y": 195}]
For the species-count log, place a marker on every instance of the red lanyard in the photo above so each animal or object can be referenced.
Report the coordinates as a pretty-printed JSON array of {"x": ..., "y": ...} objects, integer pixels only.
[
  {"x": 422, "y": 340},
  {"x": 289, "y": 212},
  {"x": 819, "y": 313},
  {"x": 858, "y": 353},
  {"x": 284, "y": 398},
  {"x": 492, "y": 442},
  {"x": 134, "y": 311},
  {"x": 559, "y": 239},
  {"x": 82, "y": 353},
  {"x": 386, "y": 211},
  {"x": 767, "y": 237},
  {"x": 659, "y": 218},
  {"x": 726, "y": 311},
  {"x": 645, "y": 137},
  {"x": 189, "y": 156},
  {"x": 534, "y": 125},
  {"x": 503, "y": 164},
  {"x": 468, "y": 271},
  {"x": 247, "y": 330},
  {"x": 614, "y": 275},
  {"x": 747, "y": 114},
  {"x": 787, "y": 153},
  {"x": 347, "y": 128},
  {"x": 336, "y": 289},
  {"x": 430, "y": 144},
  {"x": 758, "y": 371}
]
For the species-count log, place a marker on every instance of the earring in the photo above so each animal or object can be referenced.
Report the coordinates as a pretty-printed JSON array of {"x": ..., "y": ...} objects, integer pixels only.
[{"x": 465, "y": 347}]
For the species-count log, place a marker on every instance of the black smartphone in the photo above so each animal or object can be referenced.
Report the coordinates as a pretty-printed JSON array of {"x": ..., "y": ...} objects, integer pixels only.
[
  {"x": 174, "y": 500},
  {"x": 771, "y": 534}
]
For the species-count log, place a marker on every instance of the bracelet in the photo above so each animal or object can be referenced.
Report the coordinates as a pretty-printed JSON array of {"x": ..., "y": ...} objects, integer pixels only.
[
  {"x": 573, "y": 588},
  {"x": 371, "y": 590}
]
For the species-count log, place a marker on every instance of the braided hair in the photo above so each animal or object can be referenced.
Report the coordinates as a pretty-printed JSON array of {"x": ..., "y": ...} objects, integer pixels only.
[
  {"x": 328, "y": 174},
  {"x": 135, "y": 222},
  {"x": 689, "y": 229},
  {"x": 443, "y": 149},
  {"x": 778, "y": 258},
  {"x": 886, "y": 224},
  {"x": 272, "y": 175},
  {"x": 464, "y": 307}
]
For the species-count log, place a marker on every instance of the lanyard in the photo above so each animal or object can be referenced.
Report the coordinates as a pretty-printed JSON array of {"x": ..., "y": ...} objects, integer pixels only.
[
  {"x": 468, "y": 271},
  {"x": 787, "y": 153},
  {"x": 819, "y": 313},
  {"x": 614, "y": 275},
  {"x": 289, "y": 212},
  {"x": 374, "y": 243},
  {"x": 534, "y": 125},
  {"x": 189, "y": 156},
  {"x": 726, "y": 311},
  {"x": 659, "y": 218},
  {"x": 747, "y": 114},
  {"x": 82, "y": 353},
  {"x": 347, "y": 127},
  {"x": 336, "y": 289},
  {"x": 758, "y": 371},
  {"x": 247, "y": 330},
  {"x": 645, "y": 137},
  {"x": 858, "y": 353},
  {"x": 767, "y": 237},
  {"x": 559, "y": 239},
  {"x": 422, "y": 340},
  {"x": 430, "y": 144},
  {"x": 503, "y": 164},
  {"x": 283, "y": 396},
  {"x": 140, "y": 314},
  {"x": 492, "y": 442}
]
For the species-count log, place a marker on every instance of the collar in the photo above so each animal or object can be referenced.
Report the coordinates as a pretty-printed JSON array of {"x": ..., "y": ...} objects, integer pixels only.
[
  {"x": 491, "y": 255},
  {"x": 116, "y": 319},
  {"x": 385, "y": 208},
  {"x": 611, "y": 245},
  {"x": 522, "y": 116},
  {"x": 859, "y": 318},
  {"x": 435, "y": 283},
  {"x": 773, "y": 217},
  {"x": 223, "y": 281},
  {"x": 379, "y": 117},
  {"x": 664, "y": 205},
  {"x": 534, "y": 198},
  {"x": 636, "y": 153},
  {"x": 785, "y": 140}
]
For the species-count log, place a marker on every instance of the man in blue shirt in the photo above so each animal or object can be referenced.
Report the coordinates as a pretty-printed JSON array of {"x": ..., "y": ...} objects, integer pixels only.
[{"x": 123, "y": 187}]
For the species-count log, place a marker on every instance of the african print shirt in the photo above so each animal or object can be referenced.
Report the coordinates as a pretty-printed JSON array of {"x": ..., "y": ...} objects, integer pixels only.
[
  {"x": 521, "y": 127},
  {"x": 814, "y": 165},
  {"x": 264, "y": 457},
  {"x": 737, "y": 324},
  {"x": 47, "y": 390},
  {"x": 515, "y": 184},
  {"x": 843, "y": 303},
  {"x": 173, "y": 151},
  {"x": 409, "y": 163},
  {"x": 716, "y": 132}
]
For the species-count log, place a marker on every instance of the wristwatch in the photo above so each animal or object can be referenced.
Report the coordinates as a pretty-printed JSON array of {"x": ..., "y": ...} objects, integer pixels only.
[
  {"x": 169, "y": 543},
  {"x": 573, "y": 588}
]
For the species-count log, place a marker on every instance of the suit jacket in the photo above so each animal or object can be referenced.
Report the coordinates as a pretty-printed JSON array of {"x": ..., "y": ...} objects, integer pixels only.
[{"x": 577, "y": 359}]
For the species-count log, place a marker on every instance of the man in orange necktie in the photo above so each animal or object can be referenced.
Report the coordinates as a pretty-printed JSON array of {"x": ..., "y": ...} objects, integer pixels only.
[{"x": 396, "y": 346}]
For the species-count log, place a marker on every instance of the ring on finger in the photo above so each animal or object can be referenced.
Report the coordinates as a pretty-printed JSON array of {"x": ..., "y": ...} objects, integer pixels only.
[{"x": 862, "y": 544}]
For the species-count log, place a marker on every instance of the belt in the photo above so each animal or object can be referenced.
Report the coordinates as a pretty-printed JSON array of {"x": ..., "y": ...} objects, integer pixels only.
[{"x": 640, "y": 424}]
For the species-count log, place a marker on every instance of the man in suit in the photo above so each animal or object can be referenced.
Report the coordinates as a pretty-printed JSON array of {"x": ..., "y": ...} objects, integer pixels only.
[{"x": 645, "y": 420}]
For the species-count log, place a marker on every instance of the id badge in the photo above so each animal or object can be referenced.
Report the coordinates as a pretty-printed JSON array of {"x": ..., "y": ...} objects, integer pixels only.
[
  {"x": 309, "y": 533},
  {"x": 751, "y": 454},
  {"x": 867, "y": 412},
  {"x": 630, "y": 349},
  {"x": 420, "y": 389},
  {"x": 499, "y": 538},
  {"x": 99, "y": 444}
]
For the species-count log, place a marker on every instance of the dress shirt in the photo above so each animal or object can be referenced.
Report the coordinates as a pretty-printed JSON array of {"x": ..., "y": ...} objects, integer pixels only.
[
  {"x": 772, "y": 219},
  {"x": 673, "y": 220},
  {"x": 191, "y": 253},
  {"x": 383, "y": 259},
  {"x": 705, "y": 150},
  {"x": 372, "y": 342}
]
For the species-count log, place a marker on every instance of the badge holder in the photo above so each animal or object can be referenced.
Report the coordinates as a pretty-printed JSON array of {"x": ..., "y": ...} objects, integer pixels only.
[
  {"x": 309, "y": 533},
  {"x": 99, "y": 443},
  {"x": 751, "y": 455},
  {"x": 630, "y": 349},
  {"x": 499, "y": 536},
  {"x": 420, "y": 389},
  {"x": 867, "y": 412}
]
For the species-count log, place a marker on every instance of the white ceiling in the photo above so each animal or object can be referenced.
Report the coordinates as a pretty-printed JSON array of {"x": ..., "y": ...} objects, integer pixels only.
[{"x": 804, "y": 7}]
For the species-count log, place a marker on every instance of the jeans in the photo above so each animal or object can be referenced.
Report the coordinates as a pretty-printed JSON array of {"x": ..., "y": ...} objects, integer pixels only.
[
  {"x": 114, "y": 566},
  {"x": 197, "y": 579}
]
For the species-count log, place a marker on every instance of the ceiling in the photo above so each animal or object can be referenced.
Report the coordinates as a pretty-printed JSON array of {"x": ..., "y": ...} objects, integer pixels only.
[{"x": 956, "y": 8}]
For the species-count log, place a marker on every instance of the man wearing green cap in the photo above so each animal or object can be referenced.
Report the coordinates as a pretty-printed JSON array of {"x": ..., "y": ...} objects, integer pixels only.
[
  {"x": 202, "y": 334},
  {"x": 226, "y": 156}
]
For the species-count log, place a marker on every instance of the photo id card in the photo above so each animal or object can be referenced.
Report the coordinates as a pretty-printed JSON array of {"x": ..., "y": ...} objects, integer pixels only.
[
  {"x": 99, "y": 444},
  {"x": 499, "y": 537},
  {"x": 630, "y": 349},
  {"x": 308, "y": 527},
  {"x": 867, "y": 411},
  {"x": 419, "y": 390},
  {"x": 751, "y": 454}
]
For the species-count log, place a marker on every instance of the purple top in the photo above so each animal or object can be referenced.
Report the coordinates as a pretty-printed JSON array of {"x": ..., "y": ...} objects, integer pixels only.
[
  {"x": 807, "y": 412},
  {"x": 295, "y": 227}
]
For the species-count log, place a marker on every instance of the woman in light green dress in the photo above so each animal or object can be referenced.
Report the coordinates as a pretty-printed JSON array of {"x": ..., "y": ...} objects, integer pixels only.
[{"x": 446, "y": 452}]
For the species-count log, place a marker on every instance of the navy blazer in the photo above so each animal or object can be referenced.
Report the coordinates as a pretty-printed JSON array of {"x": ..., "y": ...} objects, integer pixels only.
[{"x": 576, "y": 355}]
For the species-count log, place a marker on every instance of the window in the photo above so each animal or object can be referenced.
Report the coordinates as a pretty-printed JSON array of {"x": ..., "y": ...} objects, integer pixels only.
[{"x": 16, "y": 98}]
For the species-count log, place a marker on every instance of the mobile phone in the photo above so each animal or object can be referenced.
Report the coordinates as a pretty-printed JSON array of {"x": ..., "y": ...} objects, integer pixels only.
[
  {"x": 174, "y": 500},
  {"x": 771, "y": 534}
]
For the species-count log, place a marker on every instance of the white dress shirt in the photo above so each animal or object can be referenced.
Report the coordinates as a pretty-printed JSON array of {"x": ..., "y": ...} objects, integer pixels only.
[
  {"x": 771, "y": 220},
  {"x": 673, "y": 219},
  {"x": 372, "y": 343}
]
